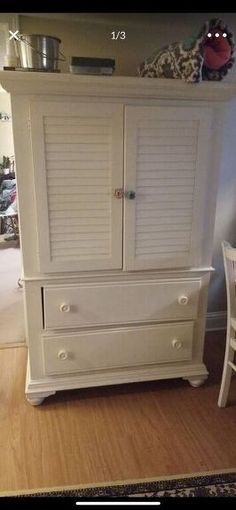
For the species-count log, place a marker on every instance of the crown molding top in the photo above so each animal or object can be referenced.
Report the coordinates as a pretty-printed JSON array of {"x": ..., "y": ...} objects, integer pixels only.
[{"x": 24, "y": 82}]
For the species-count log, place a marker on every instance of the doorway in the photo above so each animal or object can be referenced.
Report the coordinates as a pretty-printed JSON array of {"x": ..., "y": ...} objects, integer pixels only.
[{"x": 12, "y": 329}]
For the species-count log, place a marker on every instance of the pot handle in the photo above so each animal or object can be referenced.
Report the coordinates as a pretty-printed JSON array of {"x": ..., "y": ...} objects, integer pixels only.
[{"x": 63, "y": 59}]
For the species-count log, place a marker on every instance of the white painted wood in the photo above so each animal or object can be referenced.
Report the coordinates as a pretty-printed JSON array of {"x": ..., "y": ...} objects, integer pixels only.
[
  {"x": 83, "y": 197},
  {"x": 107, "y": 322},
  {"x": 196, "y": 382},
  {"x": 174, "y": 200},
  {"x": 120, "y": 348},
  {"x": 101, "y": 276},
  {"x": 114, "y": 376},
  {"x": 114, "y": 303},
  {"x": 114, "y": 86},
  {"x": 38, "y": 398}
]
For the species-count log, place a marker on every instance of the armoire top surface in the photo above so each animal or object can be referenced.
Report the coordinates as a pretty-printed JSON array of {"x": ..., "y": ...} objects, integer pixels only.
[{"x": 23, "y": 82}]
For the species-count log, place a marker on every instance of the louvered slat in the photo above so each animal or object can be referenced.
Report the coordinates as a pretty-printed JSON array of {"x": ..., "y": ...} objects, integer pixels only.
[
  {"x": 103, "y": 156},
  {"x": 172, "y": 141},
  {"x": 77, "y": 165},
  {"x": 163, "y": 123},
  {"x": 73, "y": 129},
  {"x": 167, "y": 157},
  {"x": 70, "y": 119},
  {"x": 166, "y": 164}
]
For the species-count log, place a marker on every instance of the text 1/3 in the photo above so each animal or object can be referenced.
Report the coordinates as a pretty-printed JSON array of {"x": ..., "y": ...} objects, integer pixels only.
[{"x": 118, "y": 35}]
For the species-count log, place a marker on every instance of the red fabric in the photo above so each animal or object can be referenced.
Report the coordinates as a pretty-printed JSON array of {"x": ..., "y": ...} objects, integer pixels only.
[{"x": 216, "y": 51}]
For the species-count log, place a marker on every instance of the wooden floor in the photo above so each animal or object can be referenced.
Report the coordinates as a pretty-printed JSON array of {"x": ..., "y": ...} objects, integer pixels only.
[{"x": 113, "y": 433}]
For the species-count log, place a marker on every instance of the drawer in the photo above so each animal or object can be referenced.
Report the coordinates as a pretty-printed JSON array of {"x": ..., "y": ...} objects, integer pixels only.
[
  {"x": 113, "y": 303},
  {"x": 124, "y": 347}
]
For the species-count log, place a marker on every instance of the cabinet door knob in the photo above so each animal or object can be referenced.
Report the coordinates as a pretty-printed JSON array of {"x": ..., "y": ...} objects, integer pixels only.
[
  {"x": 119, "y": 193},
  {"x": 64, "y": 307},
  {"x": 62, "y": 355},
  {"x": 130, "y": 195},
  {"x": 183, "y": 300},
  {"x": 177, "y": 344}
]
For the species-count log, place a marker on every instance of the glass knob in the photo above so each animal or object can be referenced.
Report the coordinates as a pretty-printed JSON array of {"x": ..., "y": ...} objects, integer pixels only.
[{"x": 130, "y": 195}]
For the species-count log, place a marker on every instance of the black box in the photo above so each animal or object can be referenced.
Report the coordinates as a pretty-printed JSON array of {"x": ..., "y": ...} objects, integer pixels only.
[{"x": 92, "y": 65}]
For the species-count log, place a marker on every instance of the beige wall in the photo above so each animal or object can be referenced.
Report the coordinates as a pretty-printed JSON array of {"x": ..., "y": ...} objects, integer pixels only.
[
  {"x": 90, "y": 34},
  {"x": 225, "y": 223},
  {"x": 87, "y": 34}
]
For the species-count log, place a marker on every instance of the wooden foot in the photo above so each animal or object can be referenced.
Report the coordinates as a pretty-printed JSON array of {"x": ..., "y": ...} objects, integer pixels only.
[
  {"x": 196, "y": 381},
  {"x": 35, "y": 399}
]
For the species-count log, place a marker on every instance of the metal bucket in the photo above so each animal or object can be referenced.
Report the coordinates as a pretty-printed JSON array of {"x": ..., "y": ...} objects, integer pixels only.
[{"x": 39, "y": 52}]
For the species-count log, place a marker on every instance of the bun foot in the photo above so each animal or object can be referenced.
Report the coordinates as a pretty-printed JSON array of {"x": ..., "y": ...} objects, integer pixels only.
[
  {"x": 35, "y": 399},
  {"x": 195, "y": 382}
]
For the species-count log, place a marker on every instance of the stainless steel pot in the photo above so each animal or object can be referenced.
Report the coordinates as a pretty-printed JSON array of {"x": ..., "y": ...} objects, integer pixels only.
[{"x": 39, "y": 52}]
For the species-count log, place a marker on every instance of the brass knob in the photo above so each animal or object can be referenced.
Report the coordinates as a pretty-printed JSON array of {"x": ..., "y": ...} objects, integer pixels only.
[{"x": 119, "y": 193}]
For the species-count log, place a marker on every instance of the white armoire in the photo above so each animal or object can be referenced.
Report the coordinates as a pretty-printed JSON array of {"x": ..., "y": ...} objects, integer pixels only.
[{"x": 117, "y": 180}]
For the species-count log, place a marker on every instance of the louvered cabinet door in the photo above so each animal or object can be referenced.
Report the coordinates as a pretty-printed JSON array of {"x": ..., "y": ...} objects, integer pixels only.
[
  {"x": 78, "y": 163},
  {"x": 167, "y": 154}
]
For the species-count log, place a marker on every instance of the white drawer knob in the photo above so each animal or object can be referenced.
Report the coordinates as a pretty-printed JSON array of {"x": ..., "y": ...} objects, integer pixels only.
[
  {"x": 183, "y": 300},
  {"x": 62, "y": 355},
  {"x": 65, "y": 307},
  {"x": 177, "y": 344}
]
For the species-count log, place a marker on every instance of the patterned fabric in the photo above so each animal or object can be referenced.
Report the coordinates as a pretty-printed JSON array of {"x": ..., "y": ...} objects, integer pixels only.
[
  {"x": 185, "y": 60},
  {"x": 10, "y": 225}
]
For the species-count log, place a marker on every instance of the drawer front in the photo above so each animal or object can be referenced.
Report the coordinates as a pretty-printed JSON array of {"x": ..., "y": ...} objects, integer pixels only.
[
  {"x": 114, "y": 303},
  {"x": 107, "y": 349}
]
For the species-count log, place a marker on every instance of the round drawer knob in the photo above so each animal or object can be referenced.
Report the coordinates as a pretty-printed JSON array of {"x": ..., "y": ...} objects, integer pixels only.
[
  {"x": 183, "y": 300},
  {"x": 177, "y": 344},
  {"x": 62, "y": 355},
  {"x": 65, "y": 307}
]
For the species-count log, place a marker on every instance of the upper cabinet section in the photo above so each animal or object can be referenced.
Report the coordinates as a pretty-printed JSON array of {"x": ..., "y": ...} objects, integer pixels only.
[
  {"x": 115, "y": 173},
  {"x": 86, "y": 215}
]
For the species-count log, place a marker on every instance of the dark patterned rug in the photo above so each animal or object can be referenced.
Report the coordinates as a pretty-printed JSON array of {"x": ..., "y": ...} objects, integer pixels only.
[{"x": 199, "y": 485}]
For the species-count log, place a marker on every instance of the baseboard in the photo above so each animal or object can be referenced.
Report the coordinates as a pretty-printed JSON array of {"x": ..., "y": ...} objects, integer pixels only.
[
  {"x": 12, "y": 345},
  {"x": 216, "y": 320}
]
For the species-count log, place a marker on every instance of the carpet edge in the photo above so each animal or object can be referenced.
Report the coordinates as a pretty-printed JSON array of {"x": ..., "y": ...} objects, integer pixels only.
[{"x": 117, "y": 483}]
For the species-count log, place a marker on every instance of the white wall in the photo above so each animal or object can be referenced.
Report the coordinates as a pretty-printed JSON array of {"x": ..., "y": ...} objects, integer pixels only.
[{"x": 88, "y": 34}]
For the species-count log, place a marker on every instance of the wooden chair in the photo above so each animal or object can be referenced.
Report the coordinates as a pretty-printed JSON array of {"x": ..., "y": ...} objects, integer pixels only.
[{"x": 229, "y": 256}]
